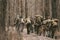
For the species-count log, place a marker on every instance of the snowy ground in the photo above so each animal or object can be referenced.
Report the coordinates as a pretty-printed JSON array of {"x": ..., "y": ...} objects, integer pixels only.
[{"x": 14, "y": 35}]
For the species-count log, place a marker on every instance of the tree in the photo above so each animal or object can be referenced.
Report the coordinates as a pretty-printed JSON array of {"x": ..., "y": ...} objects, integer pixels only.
[
  {"x": 26, "y": 9},
  {"x": 2, "y": 18},
  {"x": 54, "y": 9}
]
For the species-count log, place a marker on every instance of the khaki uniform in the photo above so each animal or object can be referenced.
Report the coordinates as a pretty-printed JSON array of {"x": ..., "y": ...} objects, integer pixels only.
[
  {"x": 54, "y": 27},
  {"x": 38, "y": 23}
]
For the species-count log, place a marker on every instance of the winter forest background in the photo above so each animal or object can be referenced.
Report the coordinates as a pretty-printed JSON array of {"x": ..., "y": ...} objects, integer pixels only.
[{"x": 10, "y": 8}]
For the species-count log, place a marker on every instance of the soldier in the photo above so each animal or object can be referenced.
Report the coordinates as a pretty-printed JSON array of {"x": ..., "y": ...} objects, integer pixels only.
[
  {"x": 22, "y": 23},
  {"x": 48, "y": 28},
  {"x": 54, "y": 26},
  {"x": 32, "y": 25},
  {"x": 43, "y": 27},
  {"x": 37, "y": 23},
  {"x": 17, "y": 22},
  {"x": 48, "y": 25},
  {"x": 28, "y": 24}
]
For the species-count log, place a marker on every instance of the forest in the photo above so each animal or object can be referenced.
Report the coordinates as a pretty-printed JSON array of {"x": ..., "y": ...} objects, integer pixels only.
[{"x": 9, "y": 9}]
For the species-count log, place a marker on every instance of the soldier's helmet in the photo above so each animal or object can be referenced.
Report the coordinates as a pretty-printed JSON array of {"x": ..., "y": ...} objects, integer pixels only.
[
  {"x": 39, "y": 16},
  {"x": 56, "y": 20}
]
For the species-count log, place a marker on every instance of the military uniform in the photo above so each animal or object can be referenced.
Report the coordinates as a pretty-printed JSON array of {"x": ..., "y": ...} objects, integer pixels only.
[
  {"x": 22, "y": 23},
  {"x": 28, "y": 24},
  {"x": 54, "y": 26},
  {"x": 47, "y": 23},
  {"x": 17, "y": 23},
  {"x": 38, "y": 21},
  {"x": 32, "y": 25}
]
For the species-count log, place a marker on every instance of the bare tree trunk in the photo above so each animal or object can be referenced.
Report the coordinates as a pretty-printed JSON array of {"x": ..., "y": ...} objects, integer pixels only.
[
  {"x": 22, "y": 8},
  {"x": 58, "y": 12},
  {"x": 3, "y": 13},
  {"x": 2, "y": 19},
  {"x": 46, "y": 8},
  {"x": 54, "y": 10},
  {"x": 26, "y": 9}
]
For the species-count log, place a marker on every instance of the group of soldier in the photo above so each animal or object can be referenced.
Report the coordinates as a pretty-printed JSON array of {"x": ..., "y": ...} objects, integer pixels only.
[{"x": 38, "y": 25}]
